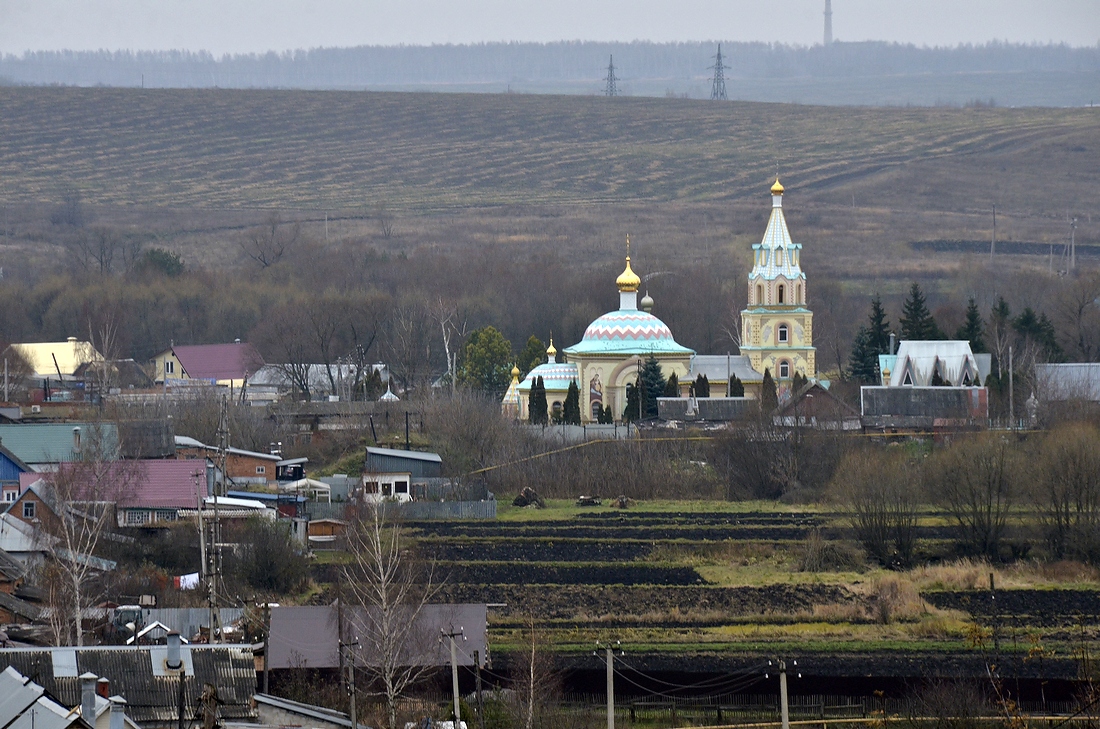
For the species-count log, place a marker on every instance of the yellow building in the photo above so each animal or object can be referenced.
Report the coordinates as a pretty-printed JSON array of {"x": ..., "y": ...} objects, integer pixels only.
[
  {"x": 57, "y": 359},
  {"x": 777, "y": 326}
]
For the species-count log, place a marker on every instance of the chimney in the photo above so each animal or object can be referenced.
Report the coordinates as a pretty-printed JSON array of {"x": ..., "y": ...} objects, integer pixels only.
[
  {"x": 87, "y": 697},
  {"x": 103, "y": 687},
  {"x": 72, "y": 340},
  {"x": 118, "y": 712},
  {"x": 174, "y": 662},
  {"x": 893, "y": 341},
  {"x": 76, "y": 440}
]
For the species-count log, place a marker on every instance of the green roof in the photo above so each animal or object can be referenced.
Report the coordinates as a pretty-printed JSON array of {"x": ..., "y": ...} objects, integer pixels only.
[{"x": 53, "y": 442}]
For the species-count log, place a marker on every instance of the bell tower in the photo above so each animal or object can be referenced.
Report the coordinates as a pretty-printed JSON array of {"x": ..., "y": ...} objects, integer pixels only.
[{"x": 777, "y": 326}]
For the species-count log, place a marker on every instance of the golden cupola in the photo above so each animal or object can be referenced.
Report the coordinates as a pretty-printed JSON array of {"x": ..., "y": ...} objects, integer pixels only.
[
  {"x": 551, "y": 351},
  {"x": 777, "y": 189},
  {"x": 628, "y": 281}
]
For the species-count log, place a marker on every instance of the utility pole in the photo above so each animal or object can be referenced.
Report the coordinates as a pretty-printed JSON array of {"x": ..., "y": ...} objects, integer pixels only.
[
  {"x": 454, "y": 669},
  {"x": 1073, "y": 245},
  {"x": 480, "y": 702},
  {"x": 993, "y": 242},
  {"x": 612, "y": 88},
  {"x": 783, "y": 713},
  {"x": 1011, "y": 394},
  {"x": 718, "y": 86},
  {"x": 610, "y": 688},
  {"x": 215, "y": 552},
  {"x": 267, "y": 646},
  {"x": 351, "y": 681}
]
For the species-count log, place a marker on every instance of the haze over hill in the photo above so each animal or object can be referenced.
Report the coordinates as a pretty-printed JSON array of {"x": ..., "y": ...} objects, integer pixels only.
[{"x": 870, "y": 73}]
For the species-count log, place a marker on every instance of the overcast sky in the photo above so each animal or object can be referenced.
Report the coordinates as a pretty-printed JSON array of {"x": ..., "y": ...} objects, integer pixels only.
[{"x": 244, "y": 26}]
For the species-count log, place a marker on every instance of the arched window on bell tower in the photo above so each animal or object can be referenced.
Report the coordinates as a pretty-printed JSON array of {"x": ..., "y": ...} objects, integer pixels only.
[
  {"x": 783, "y": 334},
  {"x": 759, "y": 294},
  {"x": 798, "y": 295},
  {"x": 779, "y": 298},
  {"x": 784, "y": 370}
]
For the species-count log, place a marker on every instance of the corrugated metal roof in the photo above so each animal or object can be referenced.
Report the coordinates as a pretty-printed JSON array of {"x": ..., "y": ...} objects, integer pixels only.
[
  {"x": 415, "y": 455},
  {"x": 714, "y": 366},
  {"x": 149, "y": 698},
  {"x": 1071, "y": 381},
  {"x": 307, "y": 636},
  {"x": 36, "y": 443},
  {"x": 234, "y": 361},
  {"x": 166, "y": 484}
]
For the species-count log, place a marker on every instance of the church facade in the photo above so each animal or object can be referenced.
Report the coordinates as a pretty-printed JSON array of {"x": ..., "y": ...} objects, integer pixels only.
[{"x": 776, "y": 334}]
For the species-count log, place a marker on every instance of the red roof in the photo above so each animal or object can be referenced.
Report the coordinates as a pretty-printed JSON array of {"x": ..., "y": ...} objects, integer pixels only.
[
  {"x": 167, "y": 485},
  {"x": 235, "y": 361}
]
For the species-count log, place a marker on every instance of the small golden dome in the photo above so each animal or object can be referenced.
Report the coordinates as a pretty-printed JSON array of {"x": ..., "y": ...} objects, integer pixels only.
[
  {"x": 777, "y": 189},
  {"x": 628, "y": 280},
  {"x": 551, "y": 351},
  {"x": 886, "y": 372},
  {"x": 515, "y": 373}
]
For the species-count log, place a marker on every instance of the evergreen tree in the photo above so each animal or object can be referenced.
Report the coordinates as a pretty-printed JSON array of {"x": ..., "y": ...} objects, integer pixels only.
[
  {"x": 937, "y": 380},
  {"x": 798, "y": 382},
  {"x": 736, "y": 387},
  {"x": 863, "y": 361},
  {"x": 917, "y": 323},
  {"x": 878, "y": 330},
  {"x": 652, "y": 385},
  {"x": 702, "y": 386},
  {"x": 1000, "y": 336},
  {"x": 486, "y": 361},
  {"x": 769, "y": 395},
  {"x": 536, "y": 403},
  {"x": 533, "y": 354},
  {"x": 606, "y": 416},
  {"x": 630, "y": 412},
  {"x": 571, "y": 412},
  {"x": 672, "y": 387},
  {"x": 971, "y": 329}
]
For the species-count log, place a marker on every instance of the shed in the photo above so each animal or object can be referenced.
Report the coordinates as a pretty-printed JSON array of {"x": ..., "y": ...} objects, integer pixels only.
[{"x": 416, "y": 463}]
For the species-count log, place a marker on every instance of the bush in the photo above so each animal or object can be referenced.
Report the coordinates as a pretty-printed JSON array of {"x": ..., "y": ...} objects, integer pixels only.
[{"x": 269, "y": 558}]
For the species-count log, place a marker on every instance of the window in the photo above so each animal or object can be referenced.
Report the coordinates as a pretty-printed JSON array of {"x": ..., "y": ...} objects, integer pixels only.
[
  {"x": 779, "y": 294},
  {"x": 907, "y": 380},
  {"x": 401, "y": 487},
  {"x": 784, "y": 370},
  {"x": 167, "y": 515},
  {"x": 798, "y": 293},
  {"x": 783, "y": 334},
  {"x": 759, "y": 294},
  {"x": 28, "y": 510},
  {"x": 261, "y": 469},
  {"x": 136, "y": 517},
  {"x": 10, "y": 496},
  {"x": 169, "y": 367}
]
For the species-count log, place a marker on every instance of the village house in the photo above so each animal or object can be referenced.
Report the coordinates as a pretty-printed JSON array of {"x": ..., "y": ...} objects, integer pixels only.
[{"x": 228, "y": 365}]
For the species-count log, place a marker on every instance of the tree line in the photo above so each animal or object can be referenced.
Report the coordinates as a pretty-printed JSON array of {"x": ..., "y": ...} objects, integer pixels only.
[{"x": 340, "y": 68}]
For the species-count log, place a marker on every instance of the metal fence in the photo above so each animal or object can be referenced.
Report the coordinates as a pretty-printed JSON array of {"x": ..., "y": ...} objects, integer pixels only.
[{"x": 428, "y": 510}]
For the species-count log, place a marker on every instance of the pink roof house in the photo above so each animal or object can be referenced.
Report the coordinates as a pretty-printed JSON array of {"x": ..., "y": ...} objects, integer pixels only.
[{"x": 224, "y": 364}]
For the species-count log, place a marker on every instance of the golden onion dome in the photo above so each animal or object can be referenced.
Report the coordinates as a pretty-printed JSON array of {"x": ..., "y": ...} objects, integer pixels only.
[
  {"x": 777, "y": 189},
  {"x": 515, "y": 373},
  {"x": 628, "y": 280},
  {"x": 551, "y": 351}
]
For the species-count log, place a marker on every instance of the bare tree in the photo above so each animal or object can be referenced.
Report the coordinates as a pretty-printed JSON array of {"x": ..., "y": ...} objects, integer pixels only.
[
  {"x": 452, "y": 325},
  {"x": 876, "y": 491},
  {"x": 1079, "y": 315},
  {"x": 267, "y": 244},
  {"x": 537, "y": 684},
  {"x": 409, "y": 343},
  {"x": 1067, "y": 491},
  {"x": 393, "y": 587},
  {"x": 977, "y": 480},
  {"x": 82, "y": 495}
]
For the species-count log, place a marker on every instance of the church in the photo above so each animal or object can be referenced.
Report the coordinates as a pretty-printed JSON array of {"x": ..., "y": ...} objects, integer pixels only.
[{"x": 776, "y": 334}]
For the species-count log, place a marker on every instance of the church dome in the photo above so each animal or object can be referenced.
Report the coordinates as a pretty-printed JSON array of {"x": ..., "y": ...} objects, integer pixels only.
[
  {"x": 627, "y": 331},
  {"x": 628, "y": 280},
  {"x": 777, "y": 189}
]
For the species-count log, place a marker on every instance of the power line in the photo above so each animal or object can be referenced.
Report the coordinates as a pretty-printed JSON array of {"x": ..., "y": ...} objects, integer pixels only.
[
  {"x": 718, "y": 86},
  {"x": 612, "y": 88}
]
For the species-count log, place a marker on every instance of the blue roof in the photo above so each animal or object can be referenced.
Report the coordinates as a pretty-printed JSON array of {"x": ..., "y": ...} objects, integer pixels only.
[
  {"x": 626, "y": 332},
  {"x": 554, "y": 376},
  {"x": 53, "y": 442}
]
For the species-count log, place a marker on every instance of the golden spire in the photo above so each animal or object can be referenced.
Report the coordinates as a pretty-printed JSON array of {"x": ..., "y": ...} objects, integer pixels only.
[
  {"x": 628, "y": 280},
  {"x": 777, "y": 189}
]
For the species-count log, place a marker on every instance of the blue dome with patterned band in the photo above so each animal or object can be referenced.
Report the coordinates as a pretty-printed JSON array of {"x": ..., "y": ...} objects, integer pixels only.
[{"x": 628, "y": 331}]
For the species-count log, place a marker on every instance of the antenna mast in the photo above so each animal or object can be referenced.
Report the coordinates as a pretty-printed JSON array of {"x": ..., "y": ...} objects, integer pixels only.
[
  {"x": 828, "y": 22},
  {"x": 215, "y": 552},
  {"x": 718, "y": 87},
  {"x": 612, "y": 81}
]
